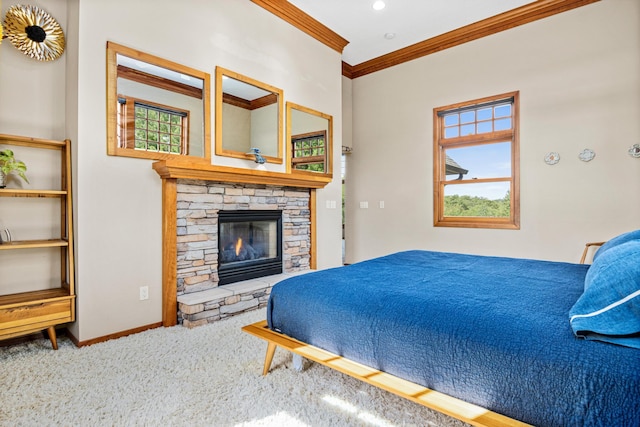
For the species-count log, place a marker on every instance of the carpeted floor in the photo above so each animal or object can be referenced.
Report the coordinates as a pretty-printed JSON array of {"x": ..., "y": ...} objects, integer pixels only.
[{"x": 207, "y": 376}]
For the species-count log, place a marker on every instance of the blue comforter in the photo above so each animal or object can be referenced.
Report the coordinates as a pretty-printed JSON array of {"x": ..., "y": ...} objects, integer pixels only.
[{"x": 491, "y": 331}]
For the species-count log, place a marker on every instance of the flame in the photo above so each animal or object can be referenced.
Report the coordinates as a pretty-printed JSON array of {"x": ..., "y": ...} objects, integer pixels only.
[{"x": 238, "y": 246}]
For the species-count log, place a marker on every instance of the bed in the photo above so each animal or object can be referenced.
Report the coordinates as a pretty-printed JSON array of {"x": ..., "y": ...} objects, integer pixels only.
[{"x": 489, "y": 340}]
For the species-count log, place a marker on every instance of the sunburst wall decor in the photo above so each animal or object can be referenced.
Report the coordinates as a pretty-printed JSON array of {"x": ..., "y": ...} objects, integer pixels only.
[{"x": 34, "y": 32}]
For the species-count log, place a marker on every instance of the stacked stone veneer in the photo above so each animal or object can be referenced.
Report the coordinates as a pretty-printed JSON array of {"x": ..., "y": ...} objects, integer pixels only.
[{"x": 200, "y": 300}]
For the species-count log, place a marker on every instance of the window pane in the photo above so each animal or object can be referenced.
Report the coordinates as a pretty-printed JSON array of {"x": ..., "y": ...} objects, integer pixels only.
[
  {"x": 480, "y": 161},
  {"x": 468, "y": 117},
  {"x": 484, "y": 127},
  {"x": 503, "y": 124},
  {"x": 486, "y": 200},
  {"x": 451, "y": 132},
  {"x": 467, "y": 129},
  {"x": 503, "y": 110},
  {"x": 451, "y": 119},
  {"x": 484, "y": 114},
  {"x": 153, "y": 115}
]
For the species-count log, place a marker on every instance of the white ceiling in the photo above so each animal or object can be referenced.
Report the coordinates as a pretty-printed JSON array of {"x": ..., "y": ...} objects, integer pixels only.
[{"x": 411, "y": 21}]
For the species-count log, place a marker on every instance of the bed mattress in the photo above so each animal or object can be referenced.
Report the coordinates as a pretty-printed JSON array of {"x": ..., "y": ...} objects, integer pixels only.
[{"x": 492, "y": 331}]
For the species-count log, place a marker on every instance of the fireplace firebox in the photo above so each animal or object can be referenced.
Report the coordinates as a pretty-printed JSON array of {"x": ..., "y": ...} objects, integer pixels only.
[{"x": 249, "y": 244}]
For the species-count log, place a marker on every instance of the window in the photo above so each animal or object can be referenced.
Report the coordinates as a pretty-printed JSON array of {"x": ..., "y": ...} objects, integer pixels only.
[
  {"x": 309, "y": 151},
  {"x": 152, "y": 127},
  {"x": 476, "y": 163}
]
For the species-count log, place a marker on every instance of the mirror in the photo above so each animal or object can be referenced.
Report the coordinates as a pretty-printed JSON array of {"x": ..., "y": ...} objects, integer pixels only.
[
  {"x": 156, "y": 109},
  {"x": 248, "y": 116},
  {"x": 310, "y": 139}
]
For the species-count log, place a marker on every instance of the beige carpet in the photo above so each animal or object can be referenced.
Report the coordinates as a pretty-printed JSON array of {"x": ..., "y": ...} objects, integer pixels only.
[{"x": 207, "y": 376}]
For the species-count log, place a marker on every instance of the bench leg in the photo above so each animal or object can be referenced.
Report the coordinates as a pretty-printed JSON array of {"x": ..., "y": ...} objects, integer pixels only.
[
  {"x": 271, "y": 349},
  {"x": 51, "y": 331}
]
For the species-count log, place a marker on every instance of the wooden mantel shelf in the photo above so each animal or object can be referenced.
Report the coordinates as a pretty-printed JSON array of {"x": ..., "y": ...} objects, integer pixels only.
[{"x": 168, "y": 169}]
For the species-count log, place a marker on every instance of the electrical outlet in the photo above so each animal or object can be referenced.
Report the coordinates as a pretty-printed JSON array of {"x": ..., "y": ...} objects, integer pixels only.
[{"x": 144, "y": 293}]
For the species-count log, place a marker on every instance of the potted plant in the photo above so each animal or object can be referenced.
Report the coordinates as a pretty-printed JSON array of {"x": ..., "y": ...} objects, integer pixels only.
[{"x": 8, "y": 164}]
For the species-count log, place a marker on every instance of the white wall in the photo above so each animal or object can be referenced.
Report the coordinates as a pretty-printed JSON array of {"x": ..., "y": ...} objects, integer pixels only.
[
  {"x": 578, "y": 74},
  {"x": 118, "y": 200}
]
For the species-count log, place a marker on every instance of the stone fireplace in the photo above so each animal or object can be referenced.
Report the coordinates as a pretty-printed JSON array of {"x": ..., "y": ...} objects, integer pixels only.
[
  {"x": 193, "y": 193},
  {"x": 208, "y": 289}
]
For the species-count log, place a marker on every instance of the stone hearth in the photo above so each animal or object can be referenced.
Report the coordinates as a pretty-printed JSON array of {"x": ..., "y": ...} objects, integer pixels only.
[{"x": 200, "y": 299}]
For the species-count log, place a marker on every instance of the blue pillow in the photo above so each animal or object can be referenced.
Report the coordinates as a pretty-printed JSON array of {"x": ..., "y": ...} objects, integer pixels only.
[
  {"x": 618, "y": 240},
  {"x": 609, "y": 308}
]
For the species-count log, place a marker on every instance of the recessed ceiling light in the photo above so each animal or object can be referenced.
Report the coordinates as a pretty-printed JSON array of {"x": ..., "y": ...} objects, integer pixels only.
[
  {"x": 378, "y": 5},
  {"x": 389, "y": 36}
]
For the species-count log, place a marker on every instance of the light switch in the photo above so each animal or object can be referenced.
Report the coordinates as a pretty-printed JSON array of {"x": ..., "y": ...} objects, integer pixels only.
[
  {"x": 364, "y": 205},
  {"x": 381, "y": 204}
]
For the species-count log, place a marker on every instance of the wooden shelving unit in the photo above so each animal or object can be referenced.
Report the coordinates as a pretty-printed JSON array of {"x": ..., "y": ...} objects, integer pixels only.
[{"x": 27, "y": 312}]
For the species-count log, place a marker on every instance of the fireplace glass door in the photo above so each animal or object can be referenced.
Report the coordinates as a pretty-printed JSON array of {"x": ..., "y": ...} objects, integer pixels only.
[{"x": 249, "y": 245}]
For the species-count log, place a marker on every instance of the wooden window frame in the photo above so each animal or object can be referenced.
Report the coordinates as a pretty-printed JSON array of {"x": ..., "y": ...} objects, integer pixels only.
[
  {"x": 439, "y": 164},
  {"x": 126, "y": 119},
  {"x": 307, "y": 160}
]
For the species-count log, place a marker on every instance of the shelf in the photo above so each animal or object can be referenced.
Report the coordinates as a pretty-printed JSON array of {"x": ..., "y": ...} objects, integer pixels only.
[
  {"x": 26, "y": 297},
  {"x": 16, "y": 192},
  {"x": 31, "y": 244},
  {"x": 171, "y": 169},
  {"x": 32, "y": 142},
  {"x": 32, "y": 311}
]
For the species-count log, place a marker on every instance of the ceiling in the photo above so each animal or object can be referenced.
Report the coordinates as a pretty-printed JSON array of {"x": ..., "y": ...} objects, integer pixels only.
[{"x": 411, "y": 21}]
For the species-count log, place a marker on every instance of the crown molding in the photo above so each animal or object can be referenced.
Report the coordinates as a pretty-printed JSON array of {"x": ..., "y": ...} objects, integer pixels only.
[
  {"x": 495, "y": 24},
  {"x": 296, "y": 17}
]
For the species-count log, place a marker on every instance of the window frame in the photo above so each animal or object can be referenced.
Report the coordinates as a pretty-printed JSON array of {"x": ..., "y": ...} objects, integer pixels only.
[
  {"x": 126, "y": 124},
  {"x": 440, "y": 144},
  {"x": 309, "y": 160}
]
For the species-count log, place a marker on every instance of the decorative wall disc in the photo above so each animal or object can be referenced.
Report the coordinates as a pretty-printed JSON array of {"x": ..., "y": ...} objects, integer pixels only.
[
  {"x": 586, "y": 155},
  {"x": 634, "y": 151},
  {"x": 34, "y": 32},
  {"x": 552, "y": 158}
]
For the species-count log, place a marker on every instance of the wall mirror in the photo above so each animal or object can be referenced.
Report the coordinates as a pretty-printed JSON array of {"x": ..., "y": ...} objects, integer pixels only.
[
  {"x": 156, "y": 109},
  {"x": 248, "y": 116},
  {"x": 310, "y": 140}
]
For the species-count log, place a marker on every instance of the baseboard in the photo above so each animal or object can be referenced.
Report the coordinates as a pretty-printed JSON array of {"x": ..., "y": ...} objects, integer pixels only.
[{"x": 112, "y": 336}]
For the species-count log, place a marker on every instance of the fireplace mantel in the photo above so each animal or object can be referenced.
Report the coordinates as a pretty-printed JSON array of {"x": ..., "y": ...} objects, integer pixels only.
[
  {"x": 168, "y": 169},
  {"x": 172, "y": 170}
]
